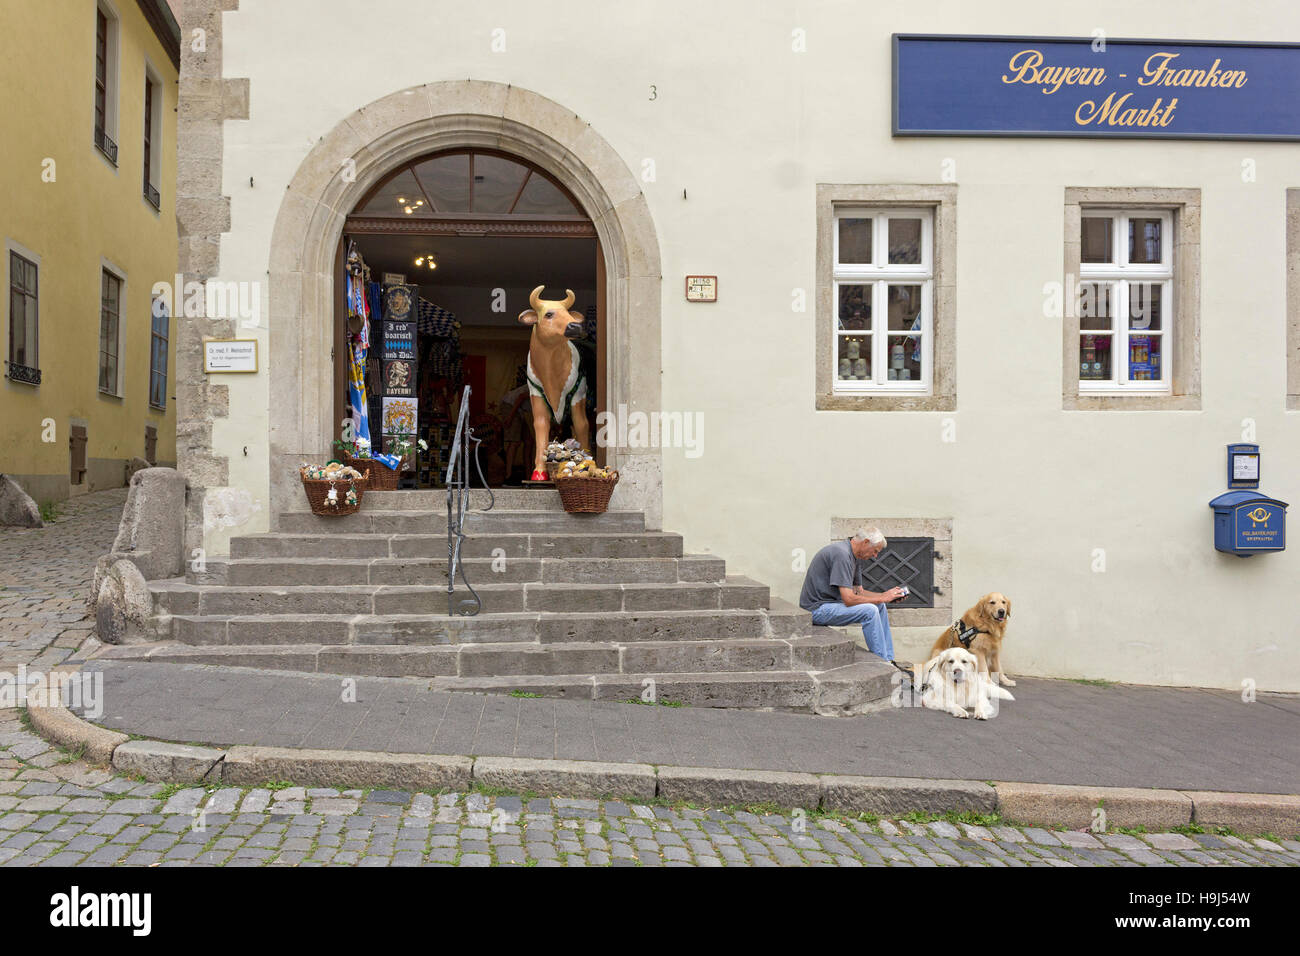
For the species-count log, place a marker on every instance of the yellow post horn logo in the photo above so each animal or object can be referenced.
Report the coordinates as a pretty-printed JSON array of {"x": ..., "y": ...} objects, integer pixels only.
[{"x": 1259, "y": 516}]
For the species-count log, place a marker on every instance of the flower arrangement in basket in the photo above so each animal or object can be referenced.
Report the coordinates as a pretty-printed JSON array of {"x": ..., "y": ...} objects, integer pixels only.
[
  {"x": 357, "y": 454},
  {"x": 402, "y": 446},
  {"x": 583, "y": 485},
  {"x": 334, "y": 488}
]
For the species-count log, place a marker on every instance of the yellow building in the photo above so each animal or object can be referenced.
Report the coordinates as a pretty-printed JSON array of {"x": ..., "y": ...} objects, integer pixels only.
[{"x": 88, "y": 222}]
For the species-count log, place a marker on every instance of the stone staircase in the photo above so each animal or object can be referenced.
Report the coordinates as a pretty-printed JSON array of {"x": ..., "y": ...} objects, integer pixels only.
[{"x": 576, "y": 606}]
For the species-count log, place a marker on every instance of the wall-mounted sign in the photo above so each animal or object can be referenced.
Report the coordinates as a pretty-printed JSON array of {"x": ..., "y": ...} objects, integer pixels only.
[
  {"x": 400, "y": 416},
  {"x": 399, "y": 378},
  {"x": 399, "y": 340},
  {"x": 230, "y": 355},
  {"x": 1063, "y": 86},
  {"x": 399, "y": 302},
  {"x": 1243, "y": 465},
  {"x": 394, "y": 278},
  {"x": 701, "y": 288}
]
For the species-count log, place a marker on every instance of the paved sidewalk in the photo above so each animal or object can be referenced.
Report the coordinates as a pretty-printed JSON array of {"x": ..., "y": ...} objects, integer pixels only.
[
  {"x": 1054, "y": 732},
  {"x": 45, "y": 578}
]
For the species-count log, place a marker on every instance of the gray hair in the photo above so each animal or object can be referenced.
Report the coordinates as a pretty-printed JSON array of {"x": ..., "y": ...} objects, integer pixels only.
[{"x": 872, "y": 536}]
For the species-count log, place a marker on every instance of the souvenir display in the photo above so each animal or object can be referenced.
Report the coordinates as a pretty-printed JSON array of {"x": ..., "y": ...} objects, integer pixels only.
[{"x": 333, "y": 489}]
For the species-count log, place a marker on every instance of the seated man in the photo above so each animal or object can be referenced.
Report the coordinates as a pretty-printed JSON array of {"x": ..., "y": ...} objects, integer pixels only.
[{"x": 833, "y": 590}]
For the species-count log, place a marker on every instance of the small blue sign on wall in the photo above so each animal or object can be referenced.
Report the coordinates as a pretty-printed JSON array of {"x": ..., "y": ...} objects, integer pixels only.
[{"x": 1064, "y": 86}]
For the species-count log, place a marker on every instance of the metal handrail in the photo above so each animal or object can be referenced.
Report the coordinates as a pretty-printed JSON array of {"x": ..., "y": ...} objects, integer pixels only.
[{"x": 457, "y": 480}]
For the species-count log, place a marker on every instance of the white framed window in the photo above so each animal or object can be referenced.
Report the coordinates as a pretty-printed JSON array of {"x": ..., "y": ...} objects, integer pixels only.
[
  {"x": 107, "y": 29},
  {"x": 1125, "y": 301},
  {"x": 152, "y": 145},
  {"x": 112, "y": 327},
  {"x": 882, "y": 303}
]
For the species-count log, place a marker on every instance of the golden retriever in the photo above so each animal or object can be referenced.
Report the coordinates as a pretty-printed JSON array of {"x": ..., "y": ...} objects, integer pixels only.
[
  {"x": 953, "y": 682},
  {"x": 988, "y": 619}
]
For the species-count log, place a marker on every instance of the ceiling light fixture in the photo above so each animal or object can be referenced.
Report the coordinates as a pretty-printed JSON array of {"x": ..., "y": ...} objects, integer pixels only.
[
  {"x": 409, "y": 206},
  {"x": 426, "y": 260}
]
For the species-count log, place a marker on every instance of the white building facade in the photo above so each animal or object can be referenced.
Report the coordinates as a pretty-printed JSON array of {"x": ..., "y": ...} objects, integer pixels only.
[{"x": 1041, "y": 445}]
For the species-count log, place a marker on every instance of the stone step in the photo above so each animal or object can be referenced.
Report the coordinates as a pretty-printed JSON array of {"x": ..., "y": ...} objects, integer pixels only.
[
  {"x": 175, "y": 596},
  {"x": 543, "y": 628},
  {"x": 433, "y": 571},
  {"x": 644, "y": 544},
  {"x": 367, "y": 521},
  {"x": 819, "y": 652},
  {"x": 848, "y": 689},
  {"x": 435, "y": 499}
]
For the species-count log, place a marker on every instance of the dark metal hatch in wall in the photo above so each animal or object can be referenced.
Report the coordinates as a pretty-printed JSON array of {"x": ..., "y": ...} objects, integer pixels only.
[{"x": 906, "y": 561}]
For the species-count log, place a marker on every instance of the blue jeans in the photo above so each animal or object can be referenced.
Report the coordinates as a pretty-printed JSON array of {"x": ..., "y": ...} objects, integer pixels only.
[{"x": 874, "y": 619}]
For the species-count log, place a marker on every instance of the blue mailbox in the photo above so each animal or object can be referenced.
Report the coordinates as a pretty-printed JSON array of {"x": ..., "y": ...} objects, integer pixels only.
[{"x": 1245, "y": 521}]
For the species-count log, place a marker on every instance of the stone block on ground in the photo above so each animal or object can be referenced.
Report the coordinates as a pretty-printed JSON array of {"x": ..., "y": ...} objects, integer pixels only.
[
  {"x": 123, "y": 605},
  {"x": 17, "y": 509}
]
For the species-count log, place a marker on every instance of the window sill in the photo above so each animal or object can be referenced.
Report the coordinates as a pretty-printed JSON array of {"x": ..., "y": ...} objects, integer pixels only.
[
  {"x": 1131, "y": 402},
  {"x": 885, "y": 402},
  {"x": 104, "y": 394}
]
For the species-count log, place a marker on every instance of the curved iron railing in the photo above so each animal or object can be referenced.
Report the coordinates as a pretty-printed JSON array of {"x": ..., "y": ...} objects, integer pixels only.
[{"x": 458, "y": 479}]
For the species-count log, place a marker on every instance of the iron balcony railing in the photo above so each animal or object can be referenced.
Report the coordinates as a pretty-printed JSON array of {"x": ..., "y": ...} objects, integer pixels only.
[{"x": 458, "y": 479}]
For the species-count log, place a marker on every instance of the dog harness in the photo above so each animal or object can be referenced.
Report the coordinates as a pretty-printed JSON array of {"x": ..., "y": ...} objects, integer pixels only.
[{"x": 966, "y": 634}]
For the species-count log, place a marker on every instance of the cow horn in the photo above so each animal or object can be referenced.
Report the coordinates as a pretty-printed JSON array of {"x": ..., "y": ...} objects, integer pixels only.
[
  {"x": 568, "y": 299},
  {"x": 534, "y": 299}
]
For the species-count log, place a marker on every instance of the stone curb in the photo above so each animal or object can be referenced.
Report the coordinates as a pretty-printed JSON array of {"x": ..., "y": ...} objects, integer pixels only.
[
  {"x": 1074, "y": 806},
  {"x": 1022, "y": 803},
  {"x": 61, "y": 726}
]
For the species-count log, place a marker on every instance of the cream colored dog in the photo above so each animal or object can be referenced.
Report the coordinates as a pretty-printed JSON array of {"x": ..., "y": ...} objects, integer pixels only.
[{"x": 952, "y": 681}]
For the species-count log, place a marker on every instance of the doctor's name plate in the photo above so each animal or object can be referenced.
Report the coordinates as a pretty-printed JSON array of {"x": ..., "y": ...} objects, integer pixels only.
[{"x": 229, "y": 355}]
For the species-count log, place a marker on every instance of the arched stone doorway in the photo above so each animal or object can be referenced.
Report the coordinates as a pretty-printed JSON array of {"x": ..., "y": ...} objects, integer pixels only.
[{"x": 363, "y": 148}]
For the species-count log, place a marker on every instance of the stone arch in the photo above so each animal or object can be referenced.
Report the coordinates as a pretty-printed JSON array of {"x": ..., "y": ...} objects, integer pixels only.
[{"x": 343, "y": 166}]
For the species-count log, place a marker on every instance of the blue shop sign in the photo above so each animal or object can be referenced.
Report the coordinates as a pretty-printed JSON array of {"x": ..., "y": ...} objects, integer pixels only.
[
  {"x": 1064, "y": 86},
  {"x": 1246, "y": 522}
]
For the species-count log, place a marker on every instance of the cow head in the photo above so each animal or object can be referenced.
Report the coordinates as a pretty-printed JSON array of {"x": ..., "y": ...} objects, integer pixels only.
[{"x": 551, "y": 319}]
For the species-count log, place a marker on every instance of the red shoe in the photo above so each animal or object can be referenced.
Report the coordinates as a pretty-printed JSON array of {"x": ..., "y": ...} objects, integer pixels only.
[{"x": 539, "y": 476}]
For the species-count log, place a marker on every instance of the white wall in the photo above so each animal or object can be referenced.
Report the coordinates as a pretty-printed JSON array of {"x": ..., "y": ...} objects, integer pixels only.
[{"x": 747, "y": 128}]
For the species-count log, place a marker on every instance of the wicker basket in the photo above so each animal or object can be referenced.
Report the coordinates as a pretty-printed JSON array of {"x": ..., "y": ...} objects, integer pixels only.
[
  {"x": 382, "y": 478},
  {"x": 318, "y": 490},
  {"x": 586, "y": 495}
]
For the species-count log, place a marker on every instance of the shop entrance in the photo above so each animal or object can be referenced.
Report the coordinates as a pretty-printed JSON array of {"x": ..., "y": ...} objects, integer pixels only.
[{"x": 470, "y": 233}]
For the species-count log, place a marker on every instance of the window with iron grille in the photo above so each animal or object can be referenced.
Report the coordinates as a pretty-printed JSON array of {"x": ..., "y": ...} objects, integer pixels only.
[
  {"x": 158, "y": 355},
  {"x": 150, "y": 134},
  {"x": 105, "y": 77},
  {"x": 24, "y": 326},
  {"x": 110, "y": 310},
  {"x": 906, "y": 561}
]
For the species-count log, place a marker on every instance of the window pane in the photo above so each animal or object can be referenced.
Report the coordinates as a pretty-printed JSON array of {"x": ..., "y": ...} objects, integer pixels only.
[
  {"x": 496, "y": 183},
  {"x": 854, "y": 359},
  {"x": 905, "y": 241},
  {"x": 1096, "y": 239},
  {"x": 446, "y": 179},
  {"x": 1095, "y": 305},
  {"x": 904, "y": 308},
  {"x": 855, "y": 240},
  {"x": 541, "y": 198},
  {"x": 1094, "y": 357},
  {"x": 1146, "y": 305},
  {"x": 855, "y": 307},
  {"x": 905, "y": 358},
  {"x": 1144, "y": 358},
  {"x": 1144, "y": 240}
]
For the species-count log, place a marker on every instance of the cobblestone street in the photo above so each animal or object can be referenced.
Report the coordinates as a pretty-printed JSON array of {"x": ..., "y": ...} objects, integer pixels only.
[
  {"x": 55, "y": 811},
  {"x": 45, "y": 578}
]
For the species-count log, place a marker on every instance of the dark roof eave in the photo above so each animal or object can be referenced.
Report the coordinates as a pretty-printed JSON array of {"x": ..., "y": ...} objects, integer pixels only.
[{"x": 165, "y": 28}]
